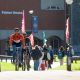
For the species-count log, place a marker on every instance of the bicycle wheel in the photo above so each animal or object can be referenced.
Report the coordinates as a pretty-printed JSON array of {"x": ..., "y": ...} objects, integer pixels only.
[
  {"x": 17, "y": 61},
  {"x": 24, "y": 61}
]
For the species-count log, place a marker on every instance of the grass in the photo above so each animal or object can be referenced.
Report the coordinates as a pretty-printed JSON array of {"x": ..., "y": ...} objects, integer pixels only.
[
  {"x": 10, "y": 67},
  {"x": 74, "y": 66},
  {"x": 58, "y": 59},
  {"x": 7, "y": 66}
]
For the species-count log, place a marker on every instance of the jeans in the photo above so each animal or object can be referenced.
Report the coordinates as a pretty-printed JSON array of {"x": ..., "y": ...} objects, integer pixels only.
[
  {"x": 19, "y": 52},
  {"x": 36, "y": 65}
]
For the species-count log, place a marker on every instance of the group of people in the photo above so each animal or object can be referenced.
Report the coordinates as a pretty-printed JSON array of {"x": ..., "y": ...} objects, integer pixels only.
[
  {"x": 21, "y": 41},
  {"x": 39, "y": 55},
  {"x": 68, "y": 51},
  {"x": 42, "y": 56}
]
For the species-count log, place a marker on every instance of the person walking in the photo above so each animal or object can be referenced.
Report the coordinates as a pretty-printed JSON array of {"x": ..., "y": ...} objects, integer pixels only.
[
  {"x": 45, "y": 58},
  {"x": 36, "y": 55},
  {"x": 51, "y": 57},
  {"x": 61, "y": 54},
  {"x": 27, "y": 50}
]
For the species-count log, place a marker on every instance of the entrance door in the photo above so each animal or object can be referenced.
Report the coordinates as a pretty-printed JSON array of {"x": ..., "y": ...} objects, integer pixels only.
[{"x": 55, "y": 45}]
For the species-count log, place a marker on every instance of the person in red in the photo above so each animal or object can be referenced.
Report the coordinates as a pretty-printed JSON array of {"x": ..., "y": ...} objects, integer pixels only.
[{"x": 17, "y": 40}]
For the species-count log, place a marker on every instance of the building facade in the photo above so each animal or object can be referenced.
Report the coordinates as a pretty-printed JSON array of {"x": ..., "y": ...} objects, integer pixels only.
[
  {"x": 51, "y": 19},
  {"x": 75, "y": 26}
]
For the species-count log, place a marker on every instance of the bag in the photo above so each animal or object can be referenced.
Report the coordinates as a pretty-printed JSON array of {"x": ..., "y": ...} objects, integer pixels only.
[
  {"x": 36, "y": 54},
  {"x": 42, "y": 66},
  {"x": 60, "y": 56},
  {"x": 48, "y": 56},
  {"x": 51, "y": 53}
]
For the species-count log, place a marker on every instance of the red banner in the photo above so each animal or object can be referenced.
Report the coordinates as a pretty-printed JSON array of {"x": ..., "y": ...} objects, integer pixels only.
[
  {"x": 67, "y": 30},
  {"x": 23, "y": 22},
  {"x": 31, "y": 39}
]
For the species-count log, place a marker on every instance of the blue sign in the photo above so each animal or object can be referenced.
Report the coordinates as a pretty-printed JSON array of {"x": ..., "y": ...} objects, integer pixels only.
[{"x": 35, "y": 24}]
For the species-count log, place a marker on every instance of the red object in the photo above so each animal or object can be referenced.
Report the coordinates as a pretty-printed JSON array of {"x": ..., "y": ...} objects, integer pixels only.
[
  {"x": 25, "y": 47},
  {"x": 15, "y": 37},
  {"x": 23, "y": 23},
  {"x": 42, "y": 66},
  {"x": 67, "y": 30},
  {"x": 31, "y": 39}
]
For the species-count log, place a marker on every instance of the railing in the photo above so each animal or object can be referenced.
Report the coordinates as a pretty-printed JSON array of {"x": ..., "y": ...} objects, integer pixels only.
[{"x": 5, "y": 57}]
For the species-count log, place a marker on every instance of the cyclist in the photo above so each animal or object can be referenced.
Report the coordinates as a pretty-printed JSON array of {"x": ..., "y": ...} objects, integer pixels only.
[
  {"x": 28, "y": 50},
  {"x": 17, "y": 40}
]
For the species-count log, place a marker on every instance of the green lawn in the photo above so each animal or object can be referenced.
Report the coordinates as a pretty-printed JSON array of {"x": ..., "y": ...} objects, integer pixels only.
[
  {"x": 7, "y": 66},
  {"x": 10, "y": 67},
  {"x": 74, "y": 66}
]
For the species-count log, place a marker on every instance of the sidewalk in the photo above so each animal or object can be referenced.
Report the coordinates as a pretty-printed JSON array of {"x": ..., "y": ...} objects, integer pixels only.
[
  {"x": 40, "y": 75},
  {"x": 55, "y": 64}
]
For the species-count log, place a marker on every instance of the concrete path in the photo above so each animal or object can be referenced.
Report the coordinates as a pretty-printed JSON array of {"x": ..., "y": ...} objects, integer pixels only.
[{"x": 40, "y": 75}]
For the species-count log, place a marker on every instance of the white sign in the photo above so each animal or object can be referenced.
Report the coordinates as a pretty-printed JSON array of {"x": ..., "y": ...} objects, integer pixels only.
[{"x": 10, "y": 12}]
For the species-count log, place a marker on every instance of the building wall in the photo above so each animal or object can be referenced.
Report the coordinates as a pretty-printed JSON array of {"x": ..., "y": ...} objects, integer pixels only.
[
  {"x": 52, "y": 21},
  {"x": 48, "y": 19},
  {"x": 4, "y": 34},
  {"x": 75, "y": 26}
]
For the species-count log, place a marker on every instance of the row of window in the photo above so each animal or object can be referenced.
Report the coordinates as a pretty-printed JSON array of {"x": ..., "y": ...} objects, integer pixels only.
[{"x": 52, "y": 4}]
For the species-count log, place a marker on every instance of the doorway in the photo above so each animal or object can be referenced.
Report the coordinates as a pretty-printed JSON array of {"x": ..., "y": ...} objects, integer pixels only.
[{"x": 55, "y": 42}]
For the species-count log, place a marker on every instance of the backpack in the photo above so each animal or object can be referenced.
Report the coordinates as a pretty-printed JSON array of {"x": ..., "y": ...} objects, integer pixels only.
[
  {"x": 51, "y": 53},
  {"x": 60, "y": 55},
  {"x": 36, "y": 54}
]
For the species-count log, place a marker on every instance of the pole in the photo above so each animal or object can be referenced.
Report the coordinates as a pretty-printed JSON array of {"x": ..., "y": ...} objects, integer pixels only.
[
  {"x": 31, "y": 13},
  {"x": 70, "y": 39},
  {"x": 0, "y": 67},
  {"x": 68, "y": 63}
]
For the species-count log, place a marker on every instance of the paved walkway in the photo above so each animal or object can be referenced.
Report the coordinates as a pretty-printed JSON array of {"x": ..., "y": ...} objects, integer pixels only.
[
  {"x": 40, "y": 75},
  {"x": 54, "y": 65}
]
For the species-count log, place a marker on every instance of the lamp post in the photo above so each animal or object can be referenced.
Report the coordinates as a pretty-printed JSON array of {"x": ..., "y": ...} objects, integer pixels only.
[
  {"x": 31, "y": 13},
  {"x": 69, "y": 2}
]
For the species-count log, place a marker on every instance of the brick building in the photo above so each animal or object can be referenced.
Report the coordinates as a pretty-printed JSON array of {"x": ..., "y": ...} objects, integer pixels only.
[{"x": 51, "y": 19}]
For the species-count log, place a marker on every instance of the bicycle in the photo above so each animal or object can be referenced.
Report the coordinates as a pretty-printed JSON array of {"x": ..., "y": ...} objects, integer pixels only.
[
  {"x": 24, "y": 60},
  {"x": 17, "y": 59}
]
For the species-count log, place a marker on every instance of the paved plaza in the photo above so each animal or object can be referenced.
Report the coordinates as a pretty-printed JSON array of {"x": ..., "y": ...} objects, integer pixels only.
[{"x": 40, "y": 75}]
